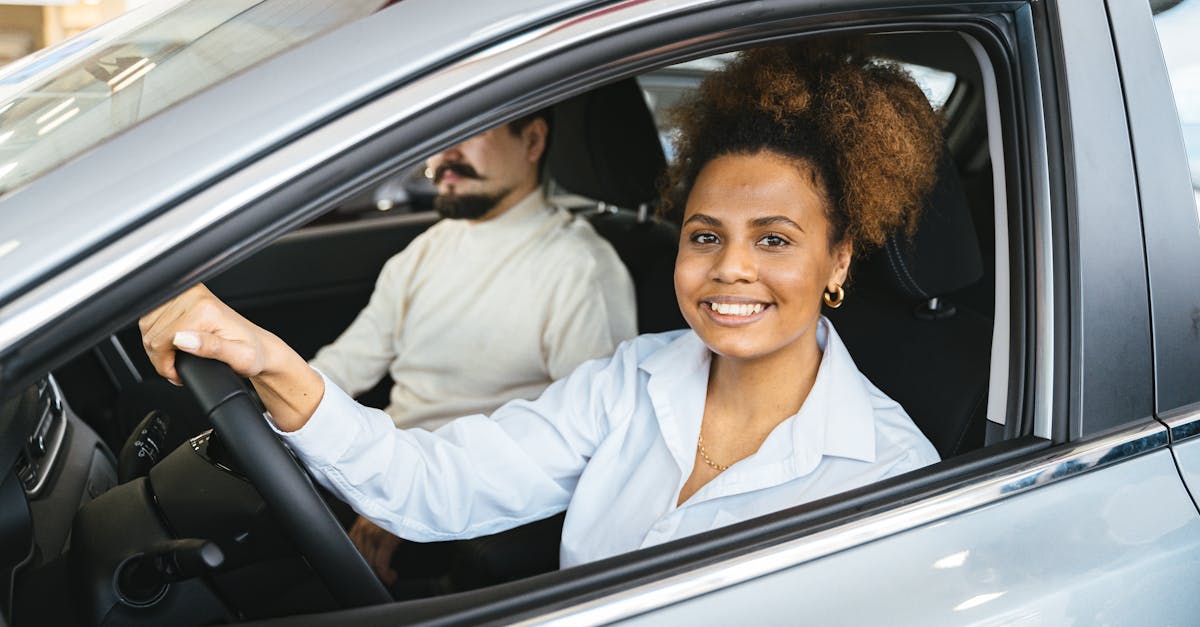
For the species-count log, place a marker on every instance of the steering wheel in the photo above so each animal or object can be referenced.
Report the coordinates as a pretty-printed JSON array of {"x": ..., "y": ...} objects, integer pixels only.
[{"x": 282, "y": 482}]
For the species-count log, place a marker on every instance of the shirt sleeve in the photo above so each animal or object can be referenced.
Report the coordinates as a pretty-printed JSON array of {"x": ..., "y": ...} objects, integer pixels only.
[
  {"x": 594, "y": 311},
  {"x": 361, "y": 355},
  {"x": 475, "y": 476}
]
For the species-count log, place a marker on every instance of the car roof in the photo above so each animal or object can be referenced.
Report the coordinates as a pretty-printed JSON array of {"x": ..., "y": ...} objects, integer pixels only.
[{"x": 75, "y": 208}]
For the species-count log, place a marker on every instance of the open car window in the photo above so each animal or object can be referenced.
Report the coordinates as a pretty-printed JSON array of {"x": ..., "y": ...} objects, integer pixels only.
[
  {"x": 412, "y": 192},
  {"x": 309, "y": 285}
]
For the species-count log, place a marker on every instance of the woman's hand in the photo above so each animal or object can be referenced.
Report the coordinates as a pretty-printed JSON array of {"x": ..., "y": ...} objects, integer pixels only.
[
  {"x": 377, "y": 546},
  {"x": 197, "y": 322}
]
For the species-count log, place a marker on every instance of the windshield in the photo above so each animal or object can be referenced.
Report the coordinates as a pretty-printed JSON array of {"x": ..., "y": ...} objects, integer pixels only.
[{"x": 63, "y": 100}]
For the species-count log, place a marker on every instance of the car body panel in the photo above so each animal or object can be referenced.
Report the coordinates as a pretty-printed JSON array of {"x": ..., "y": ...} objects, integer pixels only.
[
  {"x": 1185, "y": 442},
  {"x": 1107, "y": 547},
  {"x": 1169, "y": 213},
  {"x": 1188, "y": 455},
  {"x": 1110, "y": 326}
]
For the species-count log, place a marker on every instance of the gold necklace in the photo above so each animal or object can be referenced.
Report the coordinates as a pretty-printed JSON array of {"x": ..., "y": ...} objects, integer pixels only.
[{"x": 707, "y": 460}]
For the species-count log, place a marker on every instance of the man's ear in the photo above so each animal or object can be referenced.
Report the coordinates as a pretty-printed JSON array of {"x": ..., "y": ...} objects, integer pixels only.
[{"x": 534, "y": 137}]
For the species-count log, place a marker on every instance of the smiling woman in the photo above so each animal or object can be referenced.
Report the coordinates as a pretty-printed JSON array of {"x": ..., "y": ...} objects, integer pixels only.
[
  {"x": 760, "y": 372},
  {"x": 791, "y": 160}
]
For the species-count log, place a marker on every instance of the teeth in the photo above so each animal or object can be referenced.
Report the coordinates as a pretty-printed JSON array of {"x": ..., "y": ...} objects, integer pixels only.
[{"x": 731, "y": 309}]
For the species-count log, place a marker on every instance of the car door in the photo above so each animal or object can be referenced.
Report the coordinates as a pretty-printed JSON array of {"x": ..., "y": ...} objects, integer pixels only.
[
  {"x": 1082, "y": 496},
  {"x": 1068, "y": 551},
  {"x": 1076, "y": 494},
  {"x": 1172, "y": 231}
]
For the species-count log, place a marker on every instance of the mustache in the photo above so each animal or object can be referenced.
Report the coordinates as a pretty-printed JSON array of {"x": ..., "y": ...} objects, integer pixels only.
[{"x": 463, "y": 170}]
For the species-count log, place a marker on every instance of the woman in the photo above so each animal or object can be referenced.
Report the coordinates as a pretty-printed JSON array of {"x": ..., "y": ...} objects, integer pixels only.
[{"x": 791, "y": 159}]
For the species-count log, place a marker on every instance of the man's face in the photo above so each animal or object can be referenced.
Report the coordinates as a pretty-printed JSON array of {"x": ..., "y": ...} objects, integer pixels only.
[{"x": 487, "y": 173}]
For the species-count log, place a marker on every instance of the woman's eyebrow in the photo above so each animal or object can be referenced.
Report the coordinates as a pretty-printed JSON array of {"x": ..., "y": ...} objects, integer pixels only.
[
  {"x": 700, "y": 217},
  {"x": 771, "y": 220}
]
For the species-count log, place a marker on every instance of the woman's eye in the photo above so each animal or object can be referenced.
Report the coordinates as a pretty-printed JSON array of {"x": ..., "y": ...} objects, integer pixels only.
[
  {"x": 704, "y": 238},
  {"x": 773, "y": 241}
]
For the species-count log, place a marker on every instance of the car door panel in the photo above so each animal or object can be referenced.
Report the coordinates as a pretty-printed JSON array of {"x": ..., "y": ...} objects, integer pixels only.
[
  {"x": 1171, "y": 225},
  {"x": 1104, "y": 547},
  {"x": 1185, "y": 442},
  {"x": 1188, "y": 455}
]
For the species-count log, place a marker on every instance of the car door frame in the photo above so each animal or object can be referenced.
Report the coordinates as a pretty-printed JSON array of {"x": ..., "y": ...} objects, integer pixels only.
[
  {"x": 292, "y": 184},
  {"x": 1171, "y": 223}
]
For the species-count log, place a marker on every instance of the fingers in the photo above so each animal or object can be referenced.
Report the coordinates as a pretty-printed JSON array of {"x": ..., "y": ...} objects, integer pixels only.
[
  {"x": 197, "y": 322},
  {"x": 357, "y": 536},
  {"x": 158, "y": 329},
  {"x": 378, "y": 555},
  {"x": 385, "y": 549},
  {"x": 377, "y": 547},
  {"x": 358, "y": 533},
  {"x": 241, "y": 356}
]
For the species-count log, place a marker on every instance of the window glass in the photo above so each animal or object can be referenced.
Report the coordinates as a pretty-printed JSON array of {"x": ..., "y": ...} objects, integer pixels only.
[
  {"x": 663, "y": 88},
  {"x": 1178, "y": 27},
  {"x": 412, "y": 192},
  {"x": 65, "y": 99}
]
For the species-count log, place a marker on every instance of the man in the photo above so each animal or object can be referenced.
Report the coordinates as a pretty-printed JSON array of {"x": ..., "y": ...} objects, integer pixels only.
[{"x": 493, "y": 303}]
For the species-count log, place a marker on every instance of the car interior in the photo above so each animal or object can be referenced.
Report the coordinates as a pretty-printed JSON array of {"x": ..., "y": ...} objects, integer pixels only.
[{"x": 921, "y": 320}]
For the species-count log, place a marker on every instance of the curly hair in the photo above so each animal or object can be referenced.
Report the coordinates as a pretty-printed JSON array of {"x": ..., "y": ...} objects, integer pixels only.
[{"x": 861, "y": 128}]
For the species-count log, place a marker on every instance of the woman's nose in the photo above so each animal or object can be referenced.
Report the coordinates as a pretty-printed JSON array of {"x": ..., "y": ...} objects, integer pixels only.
[{"x": 734, "y": 265}]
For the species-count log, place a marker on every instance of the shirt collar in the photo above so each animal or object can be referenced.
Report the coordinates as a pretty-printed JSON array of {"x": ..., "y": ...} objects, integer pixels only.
[
  {"x": 848, "y": 413},
  {"x": 677, "y": 388},
  {"x": 837, "y": 418}
]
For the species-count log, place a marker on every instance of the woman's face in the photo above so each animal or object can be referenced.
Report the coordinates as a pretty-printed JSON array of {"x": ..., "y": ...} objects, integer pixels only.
[{"x": 754, "y": 256}]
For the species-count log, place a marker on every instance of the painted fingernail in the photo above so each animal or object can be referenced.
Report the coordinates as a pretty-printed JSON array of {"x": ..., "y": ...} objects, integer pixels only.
[{"x": 186, "y": 340}]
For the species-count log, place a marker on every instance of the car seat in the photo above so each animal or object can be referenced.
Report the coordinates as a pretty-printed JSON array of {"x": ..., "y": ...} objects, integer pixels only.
[
  {"x": 906, "y": 332},
  {"x": 606, "y": 149}
]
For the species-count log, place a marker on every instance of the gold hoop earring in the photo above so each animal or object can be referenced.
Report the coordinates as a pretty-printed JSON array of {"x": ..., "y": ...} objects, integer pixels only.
[{"x": 834, "y": 299}]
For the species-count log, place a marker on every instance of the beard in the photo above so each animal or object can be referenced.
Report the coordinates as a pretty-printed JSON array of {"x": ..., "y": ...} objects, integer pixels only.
[{"x": 466, "y": 206}]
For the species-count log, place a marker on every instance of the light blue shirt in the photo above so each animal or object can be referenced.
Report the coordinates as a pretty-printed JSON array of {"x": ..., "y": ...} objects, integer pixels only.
[{"x": 613, "y": 444}]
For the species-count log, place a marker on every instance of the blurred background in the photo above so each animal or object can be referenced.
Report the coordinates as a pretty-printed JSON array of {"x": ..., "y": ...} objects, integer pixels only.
[{"x": 30, "y": 25}]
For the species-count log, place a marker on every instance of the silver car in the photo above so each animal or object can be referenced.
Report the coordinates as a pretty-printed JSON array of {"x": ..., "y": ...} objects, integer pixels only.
[{"x": 1043, "y": 328}]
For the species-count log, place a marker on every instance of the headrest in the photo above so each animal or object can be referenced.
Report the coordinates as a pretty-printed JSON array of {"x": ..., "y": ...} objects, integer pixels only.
[
  {"x": 943, "y": 255},
  {"x": 606, "y": 146}
]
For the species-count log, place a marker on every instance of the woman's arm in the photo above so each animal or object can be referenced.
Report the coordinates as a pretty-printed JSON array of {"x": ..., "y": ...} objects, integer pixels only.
[
  {"x": 474, "y": 476},
  {"x": 197, "y": 322}
]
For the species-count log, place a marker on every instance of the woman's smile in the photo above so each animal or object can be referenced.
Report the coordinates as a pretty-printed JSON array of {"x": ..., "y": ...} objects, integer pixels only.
[{"x": 733, "y": 311}]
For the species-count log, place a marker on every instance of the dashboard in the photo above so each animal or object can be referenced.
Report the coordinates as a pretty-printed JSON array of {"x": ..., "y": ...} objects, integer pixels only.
[{"x": 58, "y": 464}]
